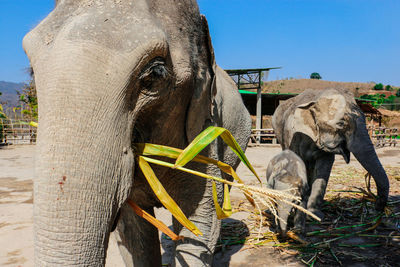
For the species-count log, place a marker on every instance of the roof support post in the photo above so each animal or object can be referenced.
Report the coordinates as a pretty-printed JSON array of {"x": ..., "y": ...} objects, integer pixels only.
[
  {"x": 259, "y": 105},
  {"x": 251, "y": 81}
]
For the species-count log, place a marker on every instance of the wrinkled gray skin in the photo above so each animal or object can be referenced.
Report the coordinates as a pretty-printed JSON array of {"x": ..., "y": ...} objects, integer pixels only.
[
  {"x": 109, "y": 74},
  {"x": 286, "y": 171},
  {"x": 316, "y": 125}
]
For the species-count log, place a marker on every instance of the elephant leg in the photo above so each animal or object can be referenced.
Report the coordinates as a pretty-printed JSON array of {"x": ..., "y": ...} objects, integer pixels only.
[
  {"x": 138, "y": 240},
  {"x": 300, "y": 218},
  {"x": 319, "y": 181},
  {"x": 198, "y": 250}
]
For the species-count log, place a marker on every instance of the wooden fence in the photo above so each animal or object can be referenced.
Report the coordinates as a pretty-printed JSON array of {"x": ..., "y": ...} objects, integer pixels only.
[
  {"x": 16, "y": 131},
  {"x": 380, "y": 136},
  {"x": 260, "y": 137}
]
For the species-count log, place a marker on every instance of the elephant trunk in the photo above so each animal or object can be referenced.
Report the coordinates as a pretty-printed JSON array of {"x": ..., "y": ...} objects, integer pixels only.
[
  {"x": 283, "y": 210},
  {"x": 361, "y": 146},
  {"x": 84, "y": 170},
  {"x": 77, "y": 194}
]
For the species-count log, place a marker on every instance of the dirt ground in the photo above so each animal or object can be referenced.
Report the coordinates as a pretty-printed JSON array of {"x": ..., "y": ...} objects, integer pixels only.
[{"x": 348, "y": 236}]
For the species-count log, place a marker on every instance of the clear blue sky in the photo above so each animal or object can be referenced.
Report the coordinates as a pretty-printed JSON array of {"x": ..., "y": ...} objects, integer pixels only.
[{"x": 343, "y": 40}]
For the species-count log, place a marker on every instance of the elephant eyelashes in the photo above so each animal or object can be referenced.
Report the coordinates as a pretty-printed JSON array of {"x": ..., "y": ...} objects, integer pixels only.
[{"x": 154, "y": 77}]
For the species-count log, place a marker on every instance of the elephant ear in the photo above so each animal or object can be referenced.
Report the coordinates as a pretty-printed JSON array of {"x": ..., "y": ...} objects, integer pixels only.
[
  {"x": 305, "y": 121},
  {"x": 309, "y": 113},
  {"x": 199, "y": 113},
  {"x": 306, "y": 105}
]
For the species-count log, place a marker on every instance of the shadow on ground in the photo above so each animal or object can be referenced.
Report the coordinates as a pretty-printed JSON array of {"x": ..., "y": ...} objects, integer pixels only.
[{"x": 231, "y": 240}]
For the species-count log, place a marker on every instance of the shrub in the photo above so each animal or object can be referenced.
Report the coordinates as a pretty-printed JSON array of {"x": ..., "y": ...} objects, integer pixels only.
[
  {"x": 378, "y": 86},
  {"x": 28, "y": 99},
  {"x": 378, "y": 99},
  {"x": 388, "y": 88}
]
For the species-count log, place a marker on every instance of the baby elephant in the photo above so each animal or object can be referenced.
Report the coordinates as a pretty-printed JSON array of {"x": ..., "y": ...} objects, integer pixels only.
[{"x": 287, "y": 171}]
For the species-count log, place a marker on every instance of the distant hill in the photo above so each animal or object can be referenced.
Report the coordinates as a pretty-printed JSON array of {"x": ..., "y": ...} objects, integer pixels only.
[
  {"x": 9, "y": 97},
  {"x": 10, "y": 87},
  {"x": 297, "y": 86}
]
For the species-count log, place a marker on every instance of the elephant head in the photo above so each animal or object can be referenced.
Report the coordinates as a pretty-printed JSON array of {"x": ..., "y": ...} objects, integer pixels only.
[
  {"x": 108, "y": 74},
  {"x": 330, "y": 121},
  {"x": 287, "y": 172},
  {"x": 334, "y": 123}
]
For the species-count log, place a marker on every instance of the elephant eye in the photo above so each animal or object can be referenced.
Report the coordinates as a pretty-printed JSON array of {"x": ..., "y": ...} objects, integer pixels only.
[
  {"x": 155, "y": 76},
  {"x": 340, "y": 124}
]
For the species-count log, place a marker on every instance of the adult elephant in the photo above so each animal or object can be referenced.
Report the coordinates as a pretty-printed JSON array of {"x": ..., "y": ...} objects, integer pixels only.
[
  {"x": 109, "y": 74},
  {"x": 318, "y": 124}
]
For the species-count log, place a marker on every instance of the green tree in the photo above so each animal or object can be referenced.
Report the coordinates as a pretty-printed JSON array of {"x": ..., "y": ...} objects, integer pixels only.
[
  {"x": 388, "y": 88},
  {"x": 315, "y": 75},
  {"x": 2, "y": 116},
  {"x": 378, "y": 86},
  {"x": 28, "y": 98},
  {"x": 377, "y": 99},
  {"x": 398, "y": 92}
]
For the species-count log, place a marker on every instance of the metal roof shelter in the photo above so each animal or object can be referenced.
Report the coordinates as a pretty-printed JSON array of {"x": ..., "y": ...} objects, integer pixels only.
[
  {"x": 369, "y": 110},
  {"x": 270, "y": 101},
  {"x": 247, "y": 79}
]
